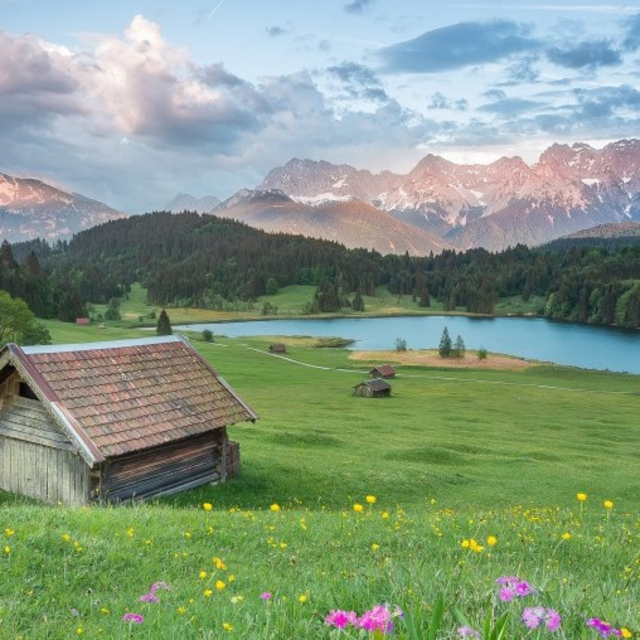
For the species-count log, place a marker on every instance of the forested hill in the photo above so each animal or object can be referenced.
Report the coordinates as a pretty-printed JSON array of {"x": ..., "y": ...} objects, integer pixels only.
[{"x": 200, "y": 260}]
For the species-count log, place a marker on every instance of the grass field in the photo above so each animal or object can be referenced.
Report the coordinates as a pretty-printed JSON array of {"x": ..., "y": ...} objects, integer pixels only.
[{"x": 456, "y": 459}]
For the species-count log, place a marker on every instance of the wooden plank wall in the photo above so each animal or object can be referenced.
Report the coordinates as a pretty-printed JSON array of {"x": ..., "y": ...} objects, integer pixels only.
[
  {"x": 36, "y": 459},
  {"x": 164, "y": 470}
]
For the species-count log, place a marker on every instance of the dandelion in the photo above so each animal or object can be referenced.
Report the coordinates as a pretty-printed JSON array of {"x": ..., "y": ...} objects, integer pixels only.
[
  {"x": 134, "y": 618},
  {"x": 203, "y": 575},
  {"x": 104, "y": 611},
  {"x": 582, "y": 497},
  {"x": 625, "y": 633},
  {"x": 492, "y": 541},
  {"x": 9, "y": 532},
  {"x": 375, "y": 546},
  {"x": 182, "y": 610},
  {"x": 566, "y": 536},
  {"x": 358, "y": 507},
  {"x": 265, "y": 595},
  {"x": 274, "y": 507},
  {"x": 7, "y": 549},
  {"x": 79, "y": 631},
  {"x": 371, "y": 499},
  {"x": 227, "y": 627},
  {"x": 384, "y": 515},
  {"x": 66, "y": 537},
  {"x": 608, "y": 504},
  {"x": 208, "y": 593},
  {"x": 218, "y": 563},
  {"x": 207, "y": 506},
  {"x": 220, "y": 585},
  {"x": 302, "y": 598}
]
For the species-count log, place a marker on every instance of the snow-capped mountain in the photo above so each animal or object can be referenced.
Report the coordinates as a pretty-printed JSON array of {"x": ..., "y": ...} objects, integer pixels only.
[
  {"x": 504, "y": 203},
  {"x": 187, "y": 202},
  {"x": 351, "y": 222},
  {"x": 30, "y": 209}
]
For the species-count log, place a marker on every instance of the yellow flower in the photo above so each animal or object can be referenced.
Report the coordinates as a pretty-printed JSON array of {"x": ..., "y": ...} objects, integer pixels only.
[
  {"x": 465, "y": 544},
  {"x": 182, "y": 610},
  {"x": 104, "y": 611},
  {"x": 231, "y": 578},
  {"x": 203, "y": 575},
  {"x": 219, "y": 564},
  {"x": 385, "y": 515},
  {"x": 371, "y": 499},
  {"x": 625, "y": 632},
  {"x": 220, "y": 585},
  {"x": 357, "y": 507},
  {"x": 208, "y": 593},
  {"x": 581, "y": 497},
  {"x": 375, "y": 546},
  {"x": 207, "y": 506},
  {"x": 275, "y": 507},
  {"x": 9, "y": 532},
  {"x": 608, "y": 504},
  {"x": 227, "y": 627},
  {"x": 566, "y": 536},
  {"x": 283, "y": 545},
  {"x": 474, "y": 546},
  {"x": 131, "y": 532},
  {"x": 79, "y": 631},
  {"x": 7, "y": 549},
  {"x": 492, "y": 541},
  {"x": 66, "y": 537},
  {"x": 302, "y": 598}
]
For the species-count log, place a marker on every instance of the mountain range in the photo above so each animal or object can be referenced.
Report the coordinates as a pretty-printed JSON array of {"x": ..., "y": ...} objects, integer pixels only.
[
  {"x": 187, "y": 202},
  {"x": 31, "y": 208}
]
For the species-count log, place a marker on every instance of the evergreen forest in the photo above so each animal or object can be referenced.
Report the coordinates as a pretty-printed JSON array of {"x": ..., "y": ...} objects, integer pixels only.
[{"x": 208, "y": 262}]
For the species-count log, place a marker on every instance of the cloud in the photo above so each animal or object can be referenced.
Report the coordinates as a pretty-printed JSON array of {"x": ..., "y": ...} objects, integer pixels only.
[
  {"x": 460, "y": 45},
  {"x": 632, "y": 38},
  {"x": 495, "y": 94},
  {"x": 359, "y": 81},
  {"x": 276, "y": 31},
  {"x": 358, "y": 6},
  {"x": 440, "y": 101},
  {"x": 585, "y": 55},
  {"x": 510, "y": 106}
]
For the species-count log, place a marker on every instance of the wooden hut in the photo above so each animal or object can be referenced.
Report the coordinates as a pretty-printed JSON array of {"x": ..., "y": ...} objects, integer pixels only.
[
  {"x": 376, "y": 388},
  {"x": 115, "y": 420},
  {"x": 278, "y": 347},
  {"x": 383, "y": 371}
]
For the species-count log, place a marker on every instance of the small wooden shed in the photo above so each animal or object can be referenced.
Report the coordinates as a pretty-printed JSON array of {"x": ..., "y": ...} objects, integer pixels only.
[
  {"x": 109, "y": 421},
  {"x": 278, "y": 347},
  {"x": 376, "y": 388},
  {"x": 383, "y": 371}
]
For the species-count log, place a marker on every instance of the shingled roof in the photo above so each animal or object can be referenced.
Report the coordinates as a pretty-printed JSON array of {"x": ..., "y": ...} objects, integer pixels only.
[{"x": 123, "y": 396}]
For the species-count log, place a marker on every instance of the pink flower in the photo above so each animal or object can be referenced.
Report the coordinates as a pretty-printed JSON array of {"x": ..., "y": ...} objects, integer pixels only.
[
  {"x": 341, "y": 619},
  {"x": 135, "y": 618},
  {"x": 603, "y": 628},
  {"x": 266, "y": 595},
  {"x": 159, "y": 585},
  {"x": 468, "y": 632},
  {"x": 149, "y": 597}
]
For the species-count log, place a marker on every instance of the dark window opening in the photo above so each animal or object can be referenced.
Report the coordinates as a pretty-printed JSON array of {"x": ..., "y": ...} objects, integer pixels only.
[{"x": 25, "y": 391}]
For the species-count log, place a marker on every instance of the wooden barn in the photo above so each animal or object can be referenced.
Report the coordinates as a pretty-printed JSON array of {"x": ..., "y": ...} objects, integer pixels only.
[
  {"x": 383, "y": 371},
  {"x": 109, "y": 421},
  {"x": 278, "y": 347},
  {"x": 376, "y": 388}
]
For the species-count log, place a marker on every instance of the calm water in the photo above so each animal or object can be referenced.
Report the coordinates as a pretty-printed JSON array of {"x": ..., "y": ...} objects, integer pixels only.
[{"x": 584, "y": 346}]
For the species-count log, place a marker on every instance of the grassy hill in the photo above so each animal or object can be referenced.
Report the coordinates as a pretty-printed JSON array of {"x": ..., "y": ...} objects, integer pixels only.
[{"x": 474, "y": 475}]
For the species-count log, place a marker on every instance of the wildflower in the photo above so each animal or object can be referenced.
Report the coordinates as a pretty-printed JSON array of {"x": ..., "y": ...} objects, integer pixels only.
[
  {"x": 79, "y": 631},
  {"x": 274, "y": 507},
  {"x": 625, "y": 633},
  {"x": 492, "y": 541},
  {"x": 371, "y": 499},
  {"x": 302, "y": 598},
  {"x": 104, "y": 611},
  {"x": 465, "y": 544},
  {"x": 358, "y": 507},
  {"x": 219, "y": 564},
  {"x": 265, "y": 595},
  {"x": 182, "y": 610},
  {"x": 513, "y": 586},
  {"x": 66, "y": 537},
  {"x": 149, "y": 597},
  {"x": 474, "y": 546},
  {"x": 341, "y": 619},
  {"x": 582, "y": 497},
  {"x": 134, "y": 618},
  {"x": 603, "y": 628},
  {"x": 236, "y": 599},
  {"x": 566, "y": 536},
  {"x": 9, "y": 532},
  {"x": 160, "y": 585},
  {"x": 534, "y": 616},
  {"x": 283, "y": 546},
  {"x": 231, "y": 578},
  {"x": 608, "y": 504},
  {"x": 207, "y": 506},
  {"x": 208, "y": 593},
  {"x": 384, "y": 515},
  {"x": 377, "y": 619},
  {"x": 203, "y": 575},
  {"x": 227, "y": 627},
  {"x": 375, "y": 546},
  {"x": 468, "y": 632},
  {"x": 220, "y": 585},
  {"x": 7, "y": 549}
]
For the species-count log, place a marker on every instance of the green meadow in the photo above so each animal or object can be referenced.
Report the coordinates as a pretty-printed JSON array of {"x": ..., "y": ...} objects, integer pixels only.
[{"x": 419, "y": 501}]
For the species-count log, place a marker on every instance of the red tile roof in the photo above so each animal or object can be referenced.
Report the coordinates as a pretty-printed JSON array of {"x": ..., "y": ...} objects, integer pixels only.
[{"x": 134, "y": 394}]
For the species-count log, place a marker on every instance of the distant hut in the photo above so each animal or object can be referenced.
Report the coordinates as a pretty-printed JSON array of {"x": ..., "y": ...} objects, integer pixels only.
[
  {"x": 278, "y": 347},
  {"x": 83, "y": 321},
  {"x": 376, "y": 388},
  {"x": 383, "y": 371},
  {"x": 110, "y": 421}
]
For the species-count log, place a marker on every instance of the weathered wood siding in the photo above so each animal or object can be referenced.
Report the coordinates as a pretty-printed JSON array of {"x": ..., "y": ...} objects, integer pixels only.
[
  {"x": 166, "y": 469},
  {"x": 36, "y": 458}
]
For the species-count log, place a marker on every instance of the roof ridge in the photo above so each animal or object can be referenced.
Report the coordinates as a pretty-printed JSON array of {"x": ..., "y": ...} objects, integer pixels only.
[{"x": 107, "y": 344}]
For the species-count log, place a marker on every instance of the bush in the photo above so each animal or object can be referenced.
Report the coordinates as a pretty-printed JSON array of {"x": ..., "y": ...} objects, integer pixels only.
[
  {"x": 482, "y": 353},
  {"x": 401, "y": 344},
  {"x": 207, "y": 335}
]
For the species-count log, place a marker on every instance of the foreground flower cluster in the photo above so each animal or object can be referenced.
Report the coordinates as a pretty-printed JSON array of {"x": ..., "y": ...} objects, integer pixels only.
[{"x": 379, "y": 619}]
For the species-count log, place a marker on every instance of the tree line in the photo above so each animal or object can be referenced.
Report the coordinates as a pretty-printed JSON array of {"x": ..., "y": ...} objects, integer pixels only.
[{"x": 204, "y": 261}]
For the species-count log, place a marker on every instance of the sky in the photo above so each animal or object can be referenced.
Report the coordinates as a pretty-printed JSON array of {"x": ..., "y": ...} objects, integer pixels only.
[{"x": 133, "y": 101}]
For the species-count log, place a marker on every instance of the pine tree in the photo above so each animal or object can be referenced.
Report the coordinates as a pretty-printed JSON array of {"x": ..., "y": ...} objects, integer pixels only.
[
  {"x": 445, "y": 347},
  {"x": 358, "y": 302},
  {"x": 163, "y": 326},
  {"x": 459, "y": 348}
]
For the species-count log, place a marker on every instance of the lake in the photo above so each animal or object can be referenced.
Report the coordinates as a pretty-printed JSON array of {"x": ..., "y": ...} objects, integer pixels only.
[{"x": 586, "y": 346}]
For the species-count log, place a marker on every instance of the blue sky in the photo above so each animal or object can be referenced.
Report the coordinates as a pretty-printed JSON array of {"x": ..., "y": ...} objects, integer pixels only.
[{"x": 132, "y": 102}]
